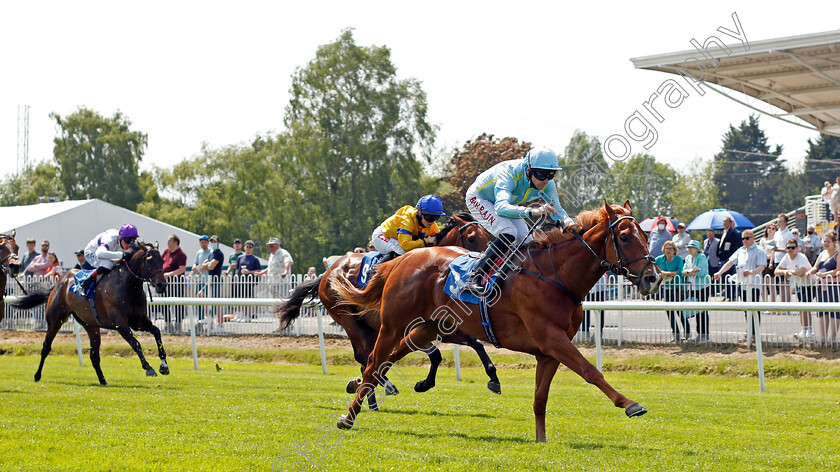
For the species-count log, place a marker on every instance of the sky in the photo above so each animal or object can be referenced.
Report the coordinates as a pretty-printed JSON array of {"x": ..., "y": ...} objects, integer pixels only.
[{"x": 218, "y": 73}]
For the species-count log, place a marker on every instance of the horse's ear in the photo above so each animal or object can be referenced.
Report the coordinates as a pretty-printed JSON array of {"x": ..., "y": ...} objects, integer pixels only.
[
  {"x": 13, "y": 233},
  {"x": 610, "y": 211},
  {"x": 628, "y": 207}
]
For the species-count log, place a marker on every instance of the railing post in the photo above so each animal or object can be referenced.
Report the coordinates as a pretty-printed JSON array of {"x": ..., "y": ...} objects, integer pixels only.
[
  {"x": 457, "y": 355},
  {"x": 78, "y": 341},
  {"x": 192, "y": 336},
  {"x": 758, "y": 351},
  {"x": 620, "y": 283},
  {"x": 597, "y": 314},
  {"x": 321, "y": 341}
]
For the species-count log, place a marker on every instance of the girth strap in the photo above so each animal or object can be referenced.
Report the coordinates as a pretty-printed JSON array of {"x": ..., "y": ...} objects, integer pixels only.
[{"x": 484, "y": 312}]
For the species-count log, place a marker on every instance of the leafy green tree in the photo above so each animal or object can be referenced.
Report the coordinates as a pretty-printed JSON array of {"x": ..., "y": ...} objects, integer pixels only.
[
  {"x": 822, "y": 162},
  {"x": 581, "y": 182},
  {"x": 99, "y": 157},
  {"x": 646, "y": 183},
  {"x": 748, "y": 173},
  {"x": 25, "y": 188},
  {"x": 475, "y": 157},
  {"x": 695, "y": 191},
  {"x": 356, "y": 134}
]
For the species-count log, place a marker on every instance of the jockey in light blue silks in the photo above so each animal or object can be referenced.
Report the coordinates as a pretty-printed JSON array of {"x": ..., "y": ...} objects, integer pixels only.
[
  {"x": 106, "y": 249},
  {"x": 496, "y": 200}
]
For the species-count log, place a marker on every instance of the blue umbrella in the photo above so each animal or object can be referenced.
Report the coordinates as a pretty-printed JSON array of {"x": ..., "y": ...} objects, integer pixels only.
[{"x": 713, "y": 219}]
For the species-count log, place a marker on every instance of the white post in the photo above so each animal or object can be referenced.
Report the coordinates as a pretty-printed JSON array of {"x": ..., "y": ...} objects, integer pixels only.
[
  {"x": 620, "y": 283},
  {"x": 321, "y": 341},
  {"x": 597, "y": 314},
  {"x": 192, "y": 336},
  {"x": 78, "y": 341},
  {"x": 457, "y": 356},
  {"x": 758, "y": 352}
]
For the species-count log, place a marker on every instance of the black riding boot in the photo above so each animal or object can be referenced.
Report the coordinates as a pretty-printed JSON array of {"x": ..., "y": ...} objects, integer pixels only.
[
  {"x": 100, "y": 271},
  {"x": 385, "y": 258},
  {"x": 498, "y": 248}
]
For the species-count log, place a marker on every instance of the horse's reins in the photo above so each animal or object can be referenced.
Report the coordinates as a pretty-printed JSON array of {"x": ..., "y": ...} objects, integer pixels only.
[
  {"x": 142, "y": 279},
  {"x": 8, "y": 272},
  {"x": 622, "y": 268},
  {"x": 461, "y": 234}
]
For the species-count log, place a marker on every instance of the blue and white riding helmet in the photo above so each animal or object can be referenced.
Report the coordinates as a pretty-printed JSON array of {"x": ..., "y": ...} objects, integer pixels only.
[
  {"x": 542, "y": 158},
  {"x": 430, "y": 205}
]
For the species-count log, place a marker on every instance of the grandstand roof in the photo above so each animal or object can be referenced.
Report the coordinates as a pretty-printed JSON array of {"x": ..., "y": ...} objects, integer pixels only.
[
  {"x": 795, "y": 78},
  {"x": 71, "y": 224}
]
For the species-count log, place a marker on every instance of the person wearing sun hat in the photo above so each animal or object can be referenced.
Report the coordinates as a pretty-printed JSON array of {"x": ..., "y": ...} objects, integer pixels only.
[{"x": 696, "y": 275}]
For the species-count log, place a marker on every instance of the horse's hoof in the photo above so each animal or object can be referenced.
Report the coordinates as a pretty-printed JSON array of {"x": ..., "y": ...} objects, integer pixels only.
[
  {"x": 390, "y": 389},
  {"x": 344, "y": 423},
  {"x": 151, "y": 372},
  {"x": 494, "y": 387},
  {"x": 37, "y": 377},
  {"x": 103, "y": 382},
  {"x": 353, "y": 384},
  {"x": 164, "y": 369},
  {"x": 635, "y": 410},
  {"x": 423, "y": 386},
  {"x": 373, "y": 407}
]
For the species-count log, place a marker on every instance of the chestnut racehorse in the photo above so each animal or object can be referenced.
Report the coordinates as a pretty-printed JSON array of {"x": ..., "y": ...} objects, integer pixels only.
[
  {"x": 537, "y": 310},
  {"x": 120, "y": 304},
  {"x": 460, "y": 230}
]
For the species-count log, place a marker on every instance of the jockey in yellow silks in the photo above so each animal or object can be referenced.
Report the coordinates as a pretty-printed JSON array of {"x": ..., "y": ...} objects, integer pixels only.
[{"x": 409, "y": 228}]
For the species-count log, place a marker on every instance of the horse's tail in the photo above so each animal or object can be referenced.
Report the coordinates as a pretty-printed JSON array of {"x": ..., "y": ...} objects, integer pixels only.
[
  {"x": 371, "y": 296},
  {"x": 290, "y": 309},
  {"x": 35, "y": 297}
]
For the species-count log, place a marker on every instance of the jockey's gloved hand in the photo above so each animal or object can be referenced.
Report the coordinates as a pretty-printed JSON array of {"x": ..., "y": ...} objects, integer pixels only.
[{"x": 429, "y": 240}]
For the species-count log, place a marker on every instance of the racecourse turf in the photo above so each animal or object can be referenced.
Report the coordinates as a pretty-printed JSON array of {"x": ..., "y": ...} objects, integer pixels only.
[{"x": 261, "y": 417}]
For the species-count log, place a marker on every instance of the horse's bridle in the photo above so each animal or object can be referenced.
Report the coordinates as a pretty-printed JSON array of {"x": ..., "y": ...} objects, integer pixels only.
[
  {"x": 142, "y": 279},
  {"x": 461, "y": 229},
  {"x": 623, "y": 268}
]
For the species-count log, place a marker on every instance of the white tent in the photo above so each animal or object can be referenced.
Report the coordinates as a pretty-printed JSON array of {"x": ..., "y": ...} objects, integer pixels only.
[{"x": 70, "y": 225}]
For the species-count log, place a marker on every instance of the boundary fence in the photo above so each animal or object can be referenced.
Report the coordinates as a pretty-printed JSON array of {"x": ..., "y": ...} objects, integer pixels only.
[{"x": 627, "y": 317}]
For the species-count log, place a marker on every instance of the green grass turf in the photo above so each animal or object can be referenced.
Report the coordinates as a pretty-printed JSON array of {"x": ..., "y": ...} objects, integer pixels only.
[{"x": 246, "y": 415}]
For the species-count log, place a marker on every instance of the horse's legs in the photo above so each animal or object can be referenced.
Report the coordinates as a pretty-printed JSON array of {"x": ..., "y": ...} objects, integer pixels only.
[
  {"x": 125, "y": 332},
  {"x": 404, "y": 348},
  {"x": 360, "y": 342},
  {"x": 53, "y": 325},
  {"x": 560, "y": 347},
  {"x": 494, "y": 385},
  {"x": 95, "y": 341},
  {"x": 151, "y": 328},
  {"x": 435, "y": 358},
  {"x": 378, "y": 365},
  {"x": 546, "y": 368}
]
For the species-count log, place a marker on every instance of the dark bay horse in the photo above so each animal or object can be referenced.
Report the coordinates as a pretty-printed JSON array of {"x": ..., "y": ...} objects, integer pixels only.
[
  {"x": 530, "y": 313},
  {"x": 120, "y": 304},
  {"x": 8, "y": 266},
  {"x": 460, "y": 230}
]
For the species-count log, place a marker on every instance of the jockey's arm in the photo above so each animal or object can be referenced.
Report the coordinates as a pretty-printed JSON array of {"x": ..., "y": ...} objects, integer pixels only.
[
  {"x": 102, "y": 252},
  {"x": 505, "y": 183},
  {"x": 407, "y": 241}
]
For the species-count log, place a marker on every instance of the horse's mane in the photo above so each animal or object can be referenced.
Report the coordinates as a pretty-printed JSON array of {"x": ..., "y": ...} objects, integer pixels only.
[
  {"x": 452, "y": 223},
  {"x": 586, "y": 219}
]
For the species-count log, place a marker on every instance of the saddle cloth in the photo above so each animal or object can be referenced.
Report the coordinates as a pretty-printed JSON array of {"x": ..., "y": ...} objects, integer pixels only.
[
  {"x": 371, "y": 259},
  {"x": 80, "y": 277},
  {"x": 459, "y": 270}
]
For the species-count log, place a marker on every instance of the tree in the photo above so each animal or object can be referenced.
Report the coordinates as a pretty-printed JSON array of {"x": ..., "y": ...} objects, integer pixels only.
[
  {"x": 474, "y": 158},
  {"x": 646, "y": 183},
  {"x": 355, "y": 133},
  {"x": 25, "y": 188},
  {"x": 695, "y": 191},
  {"x": 99, "y": 157},
  {"x": 822, "y": 162},
  {"x": 581, "y": 182},
  {"x": 748, "y": 174}
]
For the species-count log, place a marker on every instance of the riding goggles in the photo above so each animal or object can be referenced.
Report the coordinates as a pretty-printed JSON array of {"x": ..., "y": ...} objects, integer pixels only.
[
  {"x": 543, "y": 174},
  {"x": 431, "y": 218}
]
